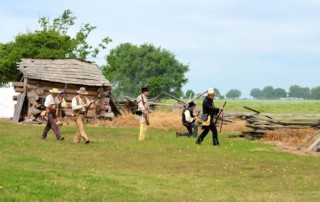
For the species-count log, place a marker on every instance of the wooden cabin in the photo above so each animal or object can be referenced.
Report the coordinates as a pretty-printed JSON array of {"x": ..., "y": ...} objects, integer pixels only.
[{"x": 40, "y": 75}]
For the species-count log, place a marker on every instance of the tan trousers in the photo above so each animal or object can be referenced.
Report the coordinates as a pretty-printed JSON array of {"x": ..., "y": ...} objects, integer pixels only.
[
  {"x": 80, "y": 133},
  {"x": 143, "y": 130}
]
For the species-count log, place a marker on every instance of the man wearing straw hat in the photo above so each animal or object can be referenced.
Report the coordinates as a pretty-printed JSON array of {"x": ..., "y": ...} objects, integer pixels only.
[
  {"x": 189, "y": 121},
  {"x": 208, "y": 124},
  {"x": 143, "y": 112},
  {"x": 51, "y": 103},
  {"x": 79, "y": 104}
]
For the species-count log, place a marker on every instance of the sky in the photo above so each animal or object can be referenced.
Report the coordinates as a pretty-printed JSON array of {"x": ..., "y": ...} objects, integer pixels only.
[{"x": 228, "y": 44}]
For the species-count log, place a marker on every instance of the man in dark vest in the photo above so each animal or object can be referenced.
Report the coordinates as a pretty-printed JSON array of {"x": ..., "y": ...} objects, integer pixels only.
[
  {"x": 209, "y": 109},
  {"x": 189, "y": 121}
]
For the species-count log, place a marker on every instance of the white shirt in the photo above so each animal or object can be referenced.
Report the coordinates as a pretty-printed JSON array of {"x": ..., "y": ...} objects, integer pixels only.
[
  {"x": 143, "y": 107},
  {"x": 50, "y": 101},
  {"x": 188, "y": 116},
  {"x": 80, "y": 107}
]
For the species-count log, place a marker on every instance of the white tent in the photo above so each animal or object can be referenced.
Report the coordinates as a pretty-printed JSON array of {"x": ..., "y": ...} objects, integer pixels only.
[{"x": 6, "y": 102}]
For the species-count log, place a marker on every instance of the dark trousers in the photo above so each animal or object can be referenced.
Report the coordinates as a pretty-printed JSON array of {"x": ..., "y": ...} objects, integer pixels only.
[
  {"x": 190, "y": 132},
  {"x": 51, "y": 124},
  {"x": 206, "y": 130}
]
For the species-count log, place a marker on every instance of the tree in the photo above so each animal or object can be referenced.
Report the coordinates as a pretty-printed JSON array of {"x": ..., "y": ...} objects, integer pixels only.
[
  {"x": 279, "y": 93},
  {"x": 51, "y": 41},
  {"x": 129, "y": 67},
  {"x": 256, "y": 93},
  {"x": 315, "y": 93},
  {"x": 267, "y": 92},
  {"x": 233, "y": 94},
  {"x": 305, "y": 93},
  {"x": 218, "y": 94},
  {"x": 189, "y": 94},
  {"x": 295, "y": 91}
]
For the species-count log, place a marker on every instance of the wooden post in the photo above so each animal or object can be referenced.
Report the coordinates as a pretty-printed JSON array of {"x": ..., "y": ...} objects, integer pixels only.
[{"x": 314, "y": 145}]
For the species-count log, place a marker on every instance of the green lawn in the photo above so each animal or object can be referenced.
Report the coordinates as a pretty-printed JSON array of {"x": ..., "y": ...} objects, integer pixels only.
[
  {"x": 268, "y": 106},
  {"x": 116, "y": 167}
]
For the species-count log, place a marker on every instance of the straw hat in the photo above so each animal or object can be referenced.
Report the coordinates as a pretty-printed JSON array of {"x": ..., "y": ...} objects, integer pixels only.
[
  {"x": 55, "y": 90},
  {"x": 211, "y": 91},
  {"x": 82, "y": 91}
]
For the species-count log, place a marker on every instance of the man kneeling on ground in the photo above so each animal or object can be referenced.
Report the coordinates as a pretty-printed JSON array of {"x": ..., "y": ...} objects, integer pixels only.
[{"x": 189, "y": 121}]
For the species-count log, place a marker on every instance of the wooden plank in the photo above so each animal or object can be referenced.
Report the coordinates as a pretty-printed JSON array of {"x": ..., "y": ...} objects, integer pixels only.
[
  {"x": 18, "y": 108},
  {"x": 17, "y": 84},
  {"x": 314, "y": 145},
  {"x": 308, "y": 139}
]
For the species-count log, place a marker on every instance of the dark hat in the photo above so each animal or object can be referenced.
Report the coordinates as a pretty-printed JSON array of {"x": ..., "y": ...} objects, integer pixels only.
[
  {"x": 191, "y": 104},
  {"x": 144, "y": 89}
]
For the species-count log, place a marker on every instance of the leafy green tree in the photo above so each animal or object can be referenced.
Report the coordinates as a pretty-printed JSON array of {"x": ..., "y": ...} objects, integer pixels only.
[
  {"x": 315, "y": 93},
  {"x": 51, "y": 41},
  {"x": 256, "y": 93},
  {"x": 305, "y": 93},
  {"x": 268, "y": 92},
  {"x": 295, "y": 91},
  {"x": 233, "y": 94},
  {"x": 218, "y": 94},
  {"x": 129, "y": 67},
  {"x": 279, "y": 93},
  {"x": 189, "y": 94}
]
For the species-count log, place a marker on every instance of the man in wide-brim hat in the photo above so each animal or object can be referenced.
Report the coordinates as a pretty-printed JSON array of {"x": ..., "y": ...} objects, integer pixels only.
[
  {"x": 79, "y": 105},
  {"x": 51, "y": 103},
  {"x": 189, "y": 121},
  {"x": 210, "y": 110}
]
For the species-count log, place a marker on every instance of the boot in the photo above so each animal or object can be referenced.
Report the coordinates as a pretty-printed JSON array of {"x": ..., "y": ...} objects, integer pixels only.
[
  {"x": 198, "y": 140},
  {"x": 216, "y": 142}
]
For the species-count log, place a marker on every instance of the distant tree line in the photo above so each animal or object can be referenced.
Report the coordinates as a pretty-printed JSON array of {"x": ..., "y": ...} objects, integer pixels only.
[
  {"x": 231, "y": 94},
  {"x": 295, "y": 92},
  {"x": 269, "y": 93}
]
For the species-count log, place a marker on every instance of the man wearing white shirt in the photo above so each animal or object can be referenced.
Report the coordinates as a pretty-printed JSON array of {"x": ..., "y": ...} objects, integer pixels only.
[
  {"x": 189, "y": 121},
  {"x": 51, "y": 103},
  {"x": 79, "y": 105},
  {"x": 143, "y": 108}
]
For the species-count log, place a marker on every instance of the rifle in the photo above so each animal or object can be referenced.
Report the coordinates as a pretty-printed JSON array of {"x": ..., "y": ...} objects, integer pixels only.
[
  {"x": 220, "y": 112},
  {"x": 61, "y": 97},
  {"x": 87, "y": 108}
]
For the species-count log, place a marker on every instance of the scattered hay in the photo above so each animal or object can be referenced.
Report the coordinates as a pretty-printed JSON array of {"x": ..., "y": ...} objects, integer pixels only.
[
  {"x": 289, "y": 136},
  {"x": 164, "y": 120},
  {"x": 238, "y": 126}
]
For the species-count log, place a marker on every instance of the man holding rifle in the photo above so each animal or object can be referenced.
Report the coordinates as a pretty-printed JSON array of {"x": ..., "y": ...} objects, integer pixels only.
[
  {"x": 143, "y": 112},
  {"x": 80, "y": 104},
  {"x": 51, "y": 103},
  {"x": 189, "y": 121},
  {"x": 208, "y": 123}
]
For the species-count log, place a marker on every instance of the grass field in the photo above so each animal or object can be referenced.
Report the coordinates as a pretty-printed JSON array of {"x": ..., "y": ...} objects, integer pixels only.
[
  {"x": 116, "y": 167},
  {"x": 268, "y": 106}
]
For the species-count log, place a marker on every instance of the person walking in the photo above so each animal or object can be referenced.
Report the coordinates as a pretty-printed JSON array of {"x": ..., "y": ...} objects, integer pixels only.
[
  {"x": 143, "y": 112},
  {"x": 209, "y": 110},
  {"x": 189, "y": 121},
  {"x": 51, "y": 103},
  {"x": 79, "y": 105}
]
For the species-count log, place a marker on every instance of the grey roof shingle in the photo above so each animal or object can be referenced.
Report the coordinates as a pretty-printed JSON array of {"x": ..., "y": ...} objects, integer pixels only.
[{"x": 70, "y": 71}]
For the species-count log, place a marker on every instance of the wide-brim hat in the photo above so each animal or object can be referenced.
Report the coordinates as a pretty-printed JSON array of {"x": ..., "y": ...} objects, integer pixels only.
[
  {"x": 55, "y": 90},
  {"x": 144, "y": 89},
  {"x": 191, "y": 104},
  {"x": 82, "y": 91},
  {"x": 211, "y": 91}
]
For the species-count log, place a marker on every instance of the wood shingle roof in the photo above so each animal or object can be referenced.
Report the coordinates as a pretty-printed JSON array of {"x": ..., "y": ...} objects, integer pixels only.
[{"x": 69, "y": 71}]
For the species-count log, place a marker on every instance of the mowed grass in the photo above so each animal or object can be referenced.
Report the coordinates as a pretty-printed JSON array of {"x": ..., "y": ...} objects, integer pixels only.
[
  {"x": 117, "y": 167},
  {"x": 267, "y": 106}
]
